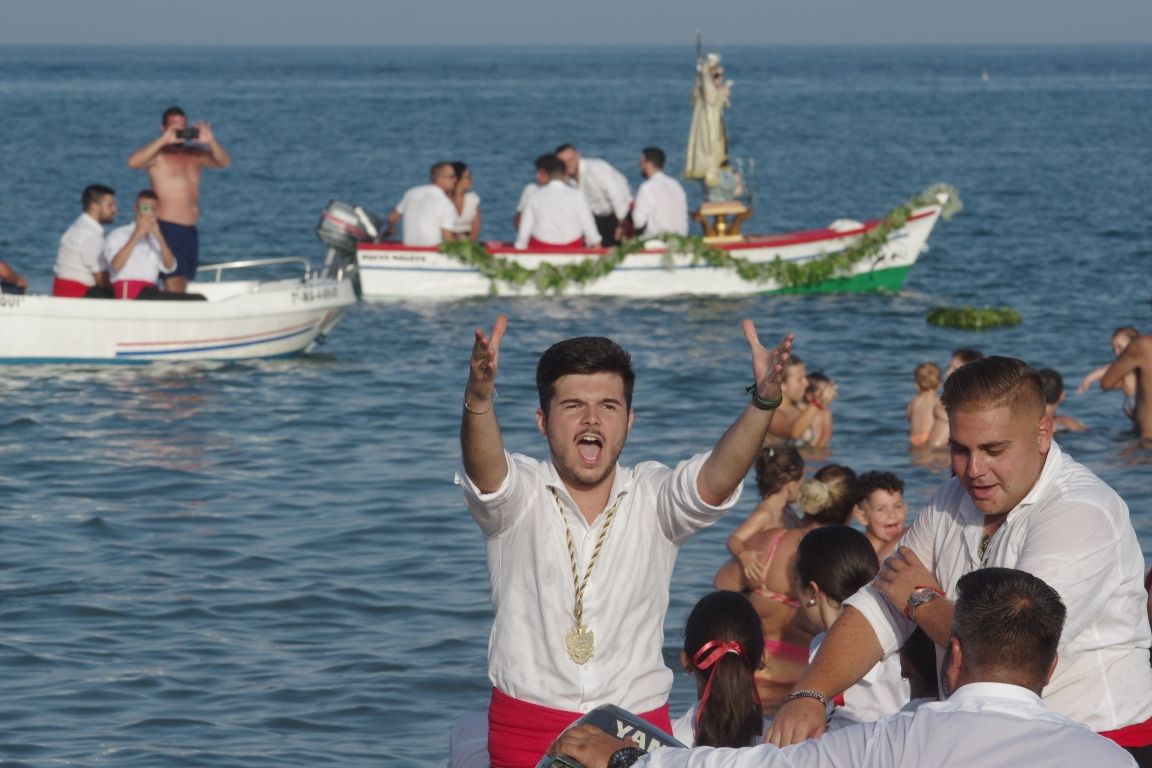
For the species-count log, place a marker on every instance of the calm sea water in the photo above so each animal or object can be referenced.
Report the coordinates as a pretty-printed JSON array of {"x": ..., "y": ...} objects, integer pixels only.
[{"x": 261, "y": 564}]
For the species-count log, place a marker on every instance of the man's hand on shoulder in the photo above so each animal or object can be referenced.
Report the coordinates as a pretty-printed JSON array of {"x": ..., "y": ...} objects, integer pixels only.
[{"x": 798, "y": 720}]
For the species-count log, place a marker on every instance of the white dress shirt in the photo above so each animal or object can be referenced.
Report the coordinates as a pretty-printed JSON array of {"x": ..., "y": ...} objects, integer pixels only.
[
  {"x": 463, "y": 223},
  {"x": 627, "y": 596},
  {"x": 557, "y": 214},
  {"x": 81, "y": 247},
  {"x": 529, "y": 190},
  {"x": 1074, "y": 532},
  {"x": 604, "y": 187},
  {"x": 145, "y": 263},
  {"x": 989, "y": 725},
  {"x": 427, "y": 210},
  {"x": 661, "y": 206}
]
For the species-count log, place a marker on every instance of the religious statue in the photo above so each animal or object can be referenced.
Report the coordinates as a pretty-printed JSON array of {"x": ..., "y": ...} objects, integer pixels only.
[{"x": 708, "y": 139}]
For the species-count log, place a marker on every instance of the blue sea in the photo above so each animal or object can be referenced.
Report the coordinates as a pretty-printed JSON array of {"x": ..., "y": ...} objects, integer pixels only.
[{"x": 267, "y": 563}]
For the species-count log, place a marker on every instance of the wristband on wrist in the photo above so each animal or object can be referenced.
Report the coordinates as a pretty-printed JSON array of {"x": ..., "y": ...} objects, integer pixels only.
[
  {"x": 491, "y": 402},
  {"x": 810, "y": 694},
  {"x": 920, "y": 595},
  {"x": 761, "y": 403}
]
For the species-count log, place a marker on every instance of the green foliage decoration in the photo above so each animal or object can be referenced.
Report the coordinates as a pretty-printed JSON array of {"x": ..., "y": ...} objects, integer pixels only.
[
  {"x": 973, "y": 318},
  {"x": 553, "y": 278}
]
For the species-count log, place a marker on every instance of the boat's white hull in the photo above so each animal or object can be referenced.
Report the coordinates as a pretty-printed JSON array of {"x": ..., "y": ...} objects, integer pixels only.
[
  {"x": 241, "y": 319},
  {"x": 391, "y": 270}
]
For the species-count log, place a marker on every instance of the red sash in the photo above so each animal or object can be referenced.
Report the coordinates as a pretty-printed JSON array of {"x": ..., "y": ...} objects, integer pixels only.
[
  {"x": 129, "y": 289},
  {"x": 519, "y": 733},
  {"x": 535, "y": 244},
  {"x": 68, "y": 288},
  {"x": 1136, "y": 735}
]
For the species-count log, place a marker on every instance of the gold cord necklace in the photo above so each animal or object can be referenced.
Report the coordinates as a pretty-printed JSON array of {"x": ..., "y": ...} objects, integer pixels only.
[{"x": 579, "y": 641}]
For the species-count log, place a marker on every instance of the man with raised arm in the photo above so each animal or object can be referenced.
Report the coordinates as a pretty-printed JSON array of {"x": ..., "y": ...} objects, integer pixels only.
[
  {"x": 1016, "y": 500},
  {"x": 175, "y": 162},
  {"x": 580, "y": 549},
  {"x": 1136, "y": 359},
  {"x": 1000, "y": 655}
]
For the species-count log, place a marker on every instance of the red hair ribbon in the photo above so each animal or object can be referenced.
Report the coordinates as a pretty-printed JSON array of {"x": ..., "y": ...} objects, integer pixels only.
[{"x": 706, "y": 658}]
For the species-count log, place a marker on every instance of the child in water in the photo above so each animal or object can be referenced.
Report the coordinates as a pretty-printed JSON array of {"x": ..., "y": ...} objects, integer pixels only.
[
  {"x": 779, "y": 472},
  {"x": 921, "y": 406},
  {"x": 881, "y": 510}
]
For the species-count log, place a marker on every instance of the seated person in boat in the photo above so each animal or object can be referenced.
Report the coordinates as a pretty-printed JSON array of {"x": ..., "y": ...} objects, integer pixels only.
[
  {"x": 466, "y": 202},
  {"x": 137, "y": 253},
  {"x": 604, "y": 188},
  {"x": 561, "y": 644},
  {"x": 556, "y": 214},
  {"x": 11, "y": 281},
  {"x": 80, "y": 266},
  {"x": 428, "y": 213},
  {"x": 661, "y": 205}
]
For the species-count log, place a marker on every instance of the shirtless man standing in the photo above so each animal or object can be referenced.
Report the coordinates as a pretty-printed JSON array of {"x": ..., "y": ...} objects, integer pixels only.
[
  {"x": 174, "y": 162},
  {"x": 1136, "y": 358}
]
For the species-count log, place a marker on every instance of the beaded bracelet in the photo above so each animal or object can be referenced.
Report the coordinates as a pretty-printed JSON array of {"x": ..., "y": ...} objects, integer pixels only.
[
  {"x": 761, "y": 403},
  {"x": 807, "y": 694}
]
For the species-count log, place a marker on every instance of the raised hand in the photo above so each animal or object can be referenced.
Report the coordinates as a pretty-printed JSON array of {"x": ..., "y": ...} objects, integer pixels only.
[
  {"x": 768, "y": 366},
  {"x": 485, "y": 361}
]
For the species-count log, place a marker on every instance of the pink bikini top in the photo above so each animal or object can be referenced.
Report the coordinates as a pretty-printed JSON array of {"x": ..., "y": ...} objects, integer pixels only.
[{"x": 763, "y": 591}]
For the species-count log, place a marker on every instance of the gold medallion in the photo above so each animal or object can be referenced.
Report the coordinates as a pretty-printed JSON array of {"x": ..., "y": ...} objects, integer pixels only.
[{"x": 579, "y": 642}]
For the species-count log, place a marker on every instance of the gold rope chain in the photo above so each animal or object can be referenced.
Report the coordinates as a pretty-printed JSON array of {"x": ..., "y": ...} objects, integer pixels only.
[{"x": 577, "y": 584}]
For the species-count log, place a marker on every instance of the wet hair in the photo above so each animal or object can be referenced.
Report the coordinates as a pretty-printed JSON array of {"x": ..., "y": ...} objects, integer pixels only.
[
  {"x": 927, "y": 376},
  {"x": 994, "y": 382},
  {"x": 776, "y": 467},
  {"x": 731, "y": 716},
  {"x": 460, "y": 167},
  {"x": 828, "y": 496},
  {"x": 967, "y": 355},
  {"x": 840, "y": 560},
  {"x": 654, "y": 155},
  {"x": 1053, "y": 384},
  {"x": 582, "y": 355},
  {"x": 551, "y": 165},
  {"x": 147, "y": 194},
  {"x": 93, "y": 194},
  {"x": 877, "y": 481},
  {"x": 436, "y": 168},
  {"x": 1009, "y": 624},
  {"x": 171, "y": 112},
  {"x": 562, "y": 148}
]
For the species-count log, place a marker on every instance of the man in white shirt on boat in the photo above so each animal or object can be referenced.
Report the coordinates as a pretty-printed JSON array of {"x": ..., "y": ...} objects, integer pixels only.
[
  {"x": 604, "y": 188},
  {"x": 661, "y": 206},
  {"x": 137, "y": 253},
  {"x": 555, "y": 214},
  {"x": 1016, "y": 500},
  {"x": 80, "y": 264},
  {"x": 428, "y": 213},
  {"x": 580, "y": 550},
  {"x": 1002, "y": 648}
]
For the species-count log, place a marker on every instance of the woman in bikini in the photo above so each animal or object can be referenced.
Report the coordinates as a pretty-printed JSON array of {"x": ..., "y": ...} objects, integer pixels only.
[{"x": 826, "y": 499}]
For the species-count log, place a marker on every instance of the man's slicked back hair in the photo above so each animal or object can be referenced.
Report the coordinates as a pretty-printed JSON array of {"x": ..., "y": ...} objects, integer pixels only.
[
  {"x": 583, "y": 355},
  {"x": 994, "y": 382}
]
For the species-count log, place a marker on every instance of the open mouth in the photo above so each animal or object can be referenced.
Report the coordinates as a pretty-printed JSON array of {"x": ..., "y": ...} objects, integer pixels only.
[{"x": 590, "y": 448}]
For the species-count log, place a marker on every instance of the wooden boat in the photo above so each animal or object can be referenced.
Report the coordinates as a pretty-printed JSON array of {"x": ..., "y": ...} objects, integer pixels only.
[
  {"x": 238, "y": 319},
  {"x": 847, "y": 256}
]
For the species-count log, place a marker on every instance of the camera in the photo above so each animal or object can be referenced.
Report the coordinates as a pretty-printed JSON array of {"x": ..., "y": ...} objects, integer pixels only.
[{"x": 187, "y": 133}]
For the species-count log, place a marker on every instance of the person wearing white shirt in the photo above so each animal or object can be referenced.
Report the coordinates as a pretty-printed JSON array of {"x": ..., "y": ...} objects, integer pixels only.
[
  {"x": 1001, "y": 652},
  {"x": 466, "y": 202},
  {"x": 137, "y": 254},
  {"x": 1016, "y": 500},
  {"x": 580, "y": 550},
  {"x": 604, "y": 188},
  {"x": 555, "y": 214},
  {"x": 79, "y": 260},
  {"x": 428, "y": 212},
  {"x": 661, "y": 206}
]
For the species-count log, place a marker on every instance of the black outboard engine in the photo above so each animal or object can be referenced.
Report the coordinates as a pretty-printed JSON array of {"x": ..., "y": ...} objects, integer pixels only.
[
  {"x": 342, "y": 226},
  {"x": 619, "y": 723}
]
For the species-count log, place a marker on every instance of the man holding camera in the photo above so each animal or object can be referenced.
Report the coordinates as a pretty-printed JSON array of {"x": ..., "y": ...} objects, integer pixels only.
[{"x": 174, "y": 162}]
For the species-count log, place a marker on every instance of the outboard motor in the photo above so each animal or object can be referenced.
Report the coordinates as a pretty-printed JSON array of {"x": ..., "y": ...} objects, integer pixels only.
[
  {"x": 619, "y": 723},
  {"x": 342, "y": 226}
]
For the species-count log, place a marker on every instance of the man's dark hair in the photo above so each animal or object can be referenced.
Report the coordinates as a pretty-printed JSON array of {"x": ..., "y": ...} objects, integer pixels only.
[
  {"x": 436, "y": 167},
  {"x": 147, "y": 194},
  {"x": 877, "y": 481},
  {"x": 1009, "y": 624},
  {"x": 582, "y": 355},
  {"x": 839, "y": 559},
  {"x": 93, "y": 193},
  {"x": 551, "y": 165},
  {"x": 1053, "y": 384},
  {"x": 994, "y": 382},
  {"x": 562, "y": 148},
  {"x": 171, "y": 112},
  {"x": 654, "y": 155}
]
